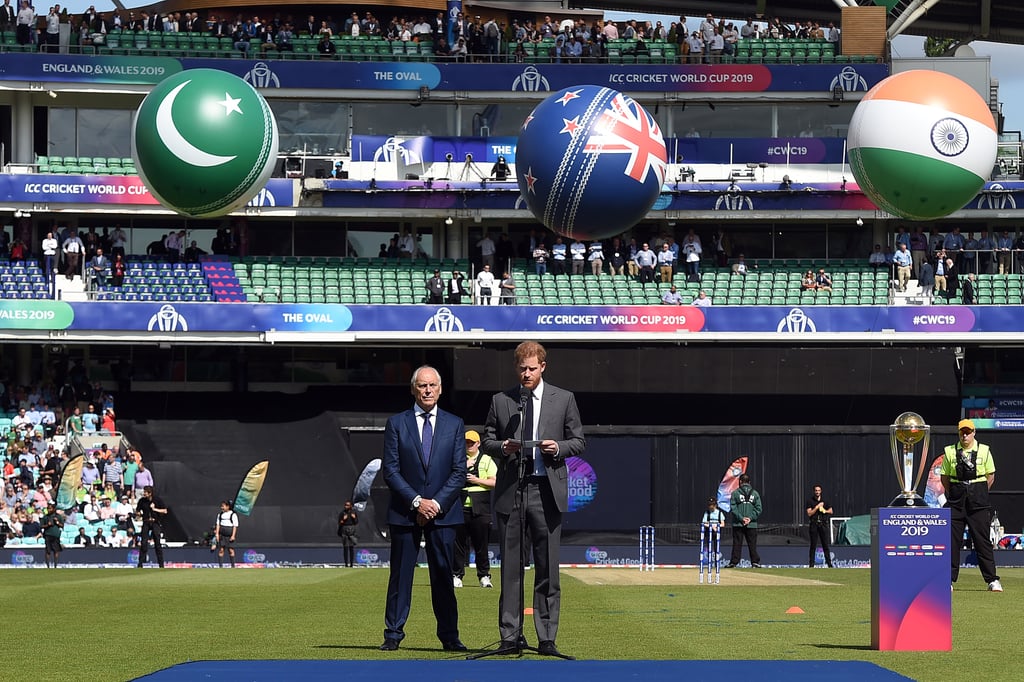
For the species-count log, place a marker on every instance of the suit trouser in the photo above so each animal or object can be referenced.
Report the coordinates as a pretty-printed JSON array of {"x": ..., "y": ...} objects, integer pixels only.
[
  {"x": 544, "y": 523},
  {"x": 475, "y": 533},
  {"x": 405, "y": 547},
  {"x": 819, "y": 532},
  {"x": 738, "y": 534}
]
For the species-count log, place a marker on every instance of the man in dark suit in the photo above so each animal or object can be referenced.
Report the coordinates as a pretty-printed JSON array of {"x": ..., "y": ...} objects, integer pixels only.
[
  {"x": 425, "y": 468},
  {"x": 538, "y": 412}
]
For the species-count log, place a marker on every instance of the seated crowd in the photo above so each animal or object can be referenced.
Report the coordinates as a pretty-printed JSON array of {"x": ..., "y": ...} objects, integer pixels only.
[
  {"x": 35, "y": 445},
  {"x": 476, "y": 38}
]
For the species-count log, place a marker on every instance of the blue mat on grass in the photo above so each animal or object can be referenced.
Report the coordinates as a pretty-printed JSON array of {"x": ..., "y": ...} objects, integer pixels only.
[{"x": 515, "y": 670}]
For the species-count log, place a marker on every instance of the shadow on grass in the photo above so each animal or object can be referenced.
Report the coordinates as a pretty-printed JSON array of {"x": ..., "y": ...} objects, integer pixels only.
[
  {"x": 851, "y": 647},
  {"x": 376, "y": 648}
]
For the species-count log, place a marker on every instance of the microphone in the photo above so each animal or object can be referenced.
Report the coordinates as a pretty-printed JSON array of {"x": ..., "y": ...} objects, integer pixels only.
[{"x": 524, "y": 395}]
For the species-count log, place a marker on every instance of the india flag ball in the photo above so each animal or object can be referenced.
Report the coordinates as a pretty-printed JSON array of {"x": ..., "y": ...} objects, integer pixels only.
[{"x": 922, "y": 144}]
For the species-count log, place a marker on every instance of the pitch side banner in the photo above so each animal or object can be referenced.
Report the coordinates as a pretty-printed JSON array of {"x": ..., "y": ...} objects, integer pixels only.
[
  {"x": 799, "y": 322},
  {"x": 538, "y": 78},
  {"x": 120, "y": 190},
  {"x": 427, "y": 150}
]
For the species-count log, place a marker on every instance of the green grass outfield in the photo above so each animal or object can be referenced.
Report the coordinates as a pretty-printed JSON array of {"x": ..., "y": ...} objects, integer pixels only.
[{"x": 117, "y": 624}]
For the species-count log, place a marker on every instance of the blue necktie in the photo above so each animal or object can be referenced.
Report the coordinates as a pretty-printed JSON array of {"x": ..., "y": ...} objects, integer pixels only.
[{"x": 428, "y": 436}]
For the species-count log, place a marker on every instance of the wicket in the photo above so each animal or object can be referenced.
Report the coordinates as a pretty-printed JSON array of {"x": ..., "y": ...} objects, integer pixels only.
[
  {"x": 646, "y": 548},
  {"x": 710, "y": 552}
]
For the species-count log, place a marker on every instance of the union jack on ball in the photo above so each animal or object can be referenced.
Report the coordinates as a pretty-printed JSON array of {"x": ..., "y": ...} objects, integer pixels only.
[{"x": 590, "y": 162}]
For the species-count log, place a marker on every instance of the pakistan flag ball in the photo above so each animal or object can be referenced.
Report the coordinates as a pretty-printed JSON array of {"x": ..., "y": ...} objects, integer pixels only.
[{"x": 204, "y": 142}]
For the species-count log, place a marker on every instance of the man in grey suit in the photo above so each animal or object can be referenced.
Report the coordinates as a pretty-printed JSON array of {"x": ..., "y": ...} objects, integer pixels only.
[
  {"x": 531, "y": 491},
  {"x": 424, "y": 466}
]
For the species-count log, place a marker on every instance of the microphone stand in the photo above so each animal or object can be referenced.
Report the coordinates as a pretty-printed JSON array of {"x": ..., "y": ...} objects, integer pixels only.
[{"x": 520, "y": 508}]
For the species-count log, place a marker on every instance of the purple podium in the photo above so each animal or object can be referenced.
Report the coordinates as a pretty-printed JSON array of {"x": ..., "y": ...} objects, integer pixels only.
[{"x": 911, "y": 599}]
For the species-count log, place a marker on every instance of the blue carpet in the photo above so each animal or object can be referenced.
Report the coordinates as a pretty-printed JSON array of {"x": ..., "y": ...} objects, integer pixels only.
[{"x": 505, "y": 670}]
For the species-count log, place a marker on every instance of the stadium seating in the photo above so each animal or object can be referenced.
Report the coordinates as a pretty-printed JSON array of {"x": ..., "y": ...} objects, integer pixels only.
[
  {"x": 22, "y": 280},
  {"x": 149, "y": 280}
]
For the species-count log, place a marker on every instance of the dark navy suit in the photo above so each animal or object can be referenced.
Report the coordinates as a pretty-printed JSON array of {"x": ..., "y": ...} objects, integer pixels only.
[{"x": 441, "y": 480}]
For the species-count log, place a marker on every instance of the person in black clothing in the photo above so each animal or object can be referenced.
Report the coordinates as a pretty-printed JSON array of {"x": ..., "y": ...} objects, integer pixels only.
[
  {"x": 455, "y": 289},
  {"x": 435, "y": 288},
  {"x": 152, "y": 511},
  {"x": 348, "y": 522},
  {"x": 819, "y": 516}
]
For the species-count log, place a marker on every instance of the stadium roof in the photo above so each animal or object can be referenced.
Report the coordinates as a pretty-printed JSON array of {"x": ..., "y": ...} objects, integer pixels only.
[{"x": 1000, "y": 21}]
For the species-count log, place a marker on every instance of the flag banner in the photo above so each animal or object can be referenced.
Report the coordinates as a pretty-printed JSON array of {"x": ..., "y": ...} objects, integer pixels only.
[
  {"x": 934, "y": 493},
  {"x": 70, "y": 482},
  {"x": 361, "y": 490},
  {"x": 245, "y": 500},
  {"x": 730, "y": 482}
]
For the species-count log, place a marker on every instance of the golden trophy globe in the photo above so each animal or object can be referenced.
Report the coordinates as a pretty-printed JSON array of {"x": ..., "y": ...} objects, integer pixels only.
[{"x": 909, "y": 438}]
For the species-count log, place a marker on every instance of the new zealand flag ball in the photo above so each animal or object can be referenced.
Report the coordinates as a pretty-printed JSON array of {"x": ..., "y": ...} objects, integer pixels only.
[{"x": 590, "y": 162}]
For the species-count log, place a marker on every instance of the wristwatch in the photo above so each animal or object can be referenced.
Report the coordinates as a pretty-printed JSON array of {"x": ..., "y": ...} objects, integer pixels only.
[{"x": 416, "y": 502}]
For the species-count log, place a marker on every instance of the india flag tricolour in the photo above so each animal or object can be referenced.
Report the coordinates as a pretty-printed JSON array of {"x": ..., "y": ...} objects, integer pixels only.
[{"x": 921, "y": 144}]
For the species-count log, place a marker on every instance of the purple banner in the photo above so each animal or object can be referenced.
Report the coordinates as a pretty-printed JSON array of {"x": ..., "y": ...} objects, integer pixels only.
[
  {"x": 539, "y": 78},
  {"x": 762, "y": 321},
  {"x": 112, "y": 189}
]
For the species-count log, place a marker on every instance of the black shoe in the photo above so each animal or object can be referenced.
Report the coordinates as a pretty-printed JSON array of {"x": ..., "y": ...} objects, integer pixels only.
[
  {"x": 731, "y": 565},
  {"x": 454, "y": 645},
  {"x": 547, "y": 648},
  {"x": 389, "y": 645},
  {"x": 522, "y": 643},
  {"x": 755, "y": 565},
  {"x": 508, "y": 649}
]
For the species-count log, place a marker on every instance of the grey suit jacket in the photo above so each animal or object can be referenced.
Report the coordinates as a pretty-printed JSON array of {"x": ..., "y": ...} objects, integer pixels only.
[{"x": 559, "y": 421}]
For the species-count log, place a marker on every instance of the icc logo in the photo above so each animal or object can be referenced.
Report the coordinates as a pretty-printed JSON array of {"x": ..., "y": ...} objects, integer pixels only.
[
  {"x": 263, "y": 198},
  {"x": 262, "y": 76},
  {"x": 444, "y": 321},
  {"x": 167, "y": 319},
  {"x": 733, "y": 201},
  {"x": 849, "y": 80},
  {"x": 530, "y": 80},
  {"x": 796, "y": 322},
  {"x": 392, "y": 147},
  {"x": 995, "y": 197}
]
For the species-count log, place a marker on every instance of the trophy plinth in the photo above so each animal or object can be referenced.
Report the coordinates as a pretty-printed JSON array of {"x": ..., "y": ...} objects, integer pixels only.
[{"x": 909, "y": 438}]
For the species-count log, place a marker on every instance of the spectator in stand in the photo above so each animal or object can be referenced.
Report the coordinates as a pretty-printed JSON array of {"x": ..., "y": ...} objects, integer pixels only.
[
  {"x": 98, "y": 265},
  {"x": 435, "y": 289},
  {"x": 665, "y": 263},
  {"x": 540, "y": 258},
  {"x": 113, "y": 475},
  {"x": 1004, "y": 249},
  {"x": 82, "y": 538},
  {"x": 325, "y": 47},
  {"x": 918, "y": 249},
  {"x": 696, "y": 52},
  {"x": 926, "y": 280},
  {"x": 143, "y": 478},
  {"x": 559, "y": 252},
  {"x": 617, "y": 258},
  {"x": 508, "y": 289},
  {"x": 823, "y": 282},
  {"x": 807, "y": 282},
  {"x": 100, "y": 539},
  {"x": 578, "y": 250},
  {"x": 645, "y": 261},
  {"x": 455, "y": 288},
  {"x": 672, "y": 297},
  {"x": 596, "y": 257},
  {"x": 73, "y": 250},
  {"x": 487, "y": 250},
  {"x": 90, "y": 420},
  {"x": 877, "y": 258},
  {"x": 485, "y": 285},
  {"x": 49, "y": 255},
  {"x": 107, "y": 510},
  {"x": 903, "y": 261},
  {"x": 691, "y": 253},
  {"x": 986, "y": 253},
  {"x": 969, "y": 296},
  {"x": 702, "y": 300},
  {"x": 117, "y": 538},
  {"x": 131, "y": 466}
]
